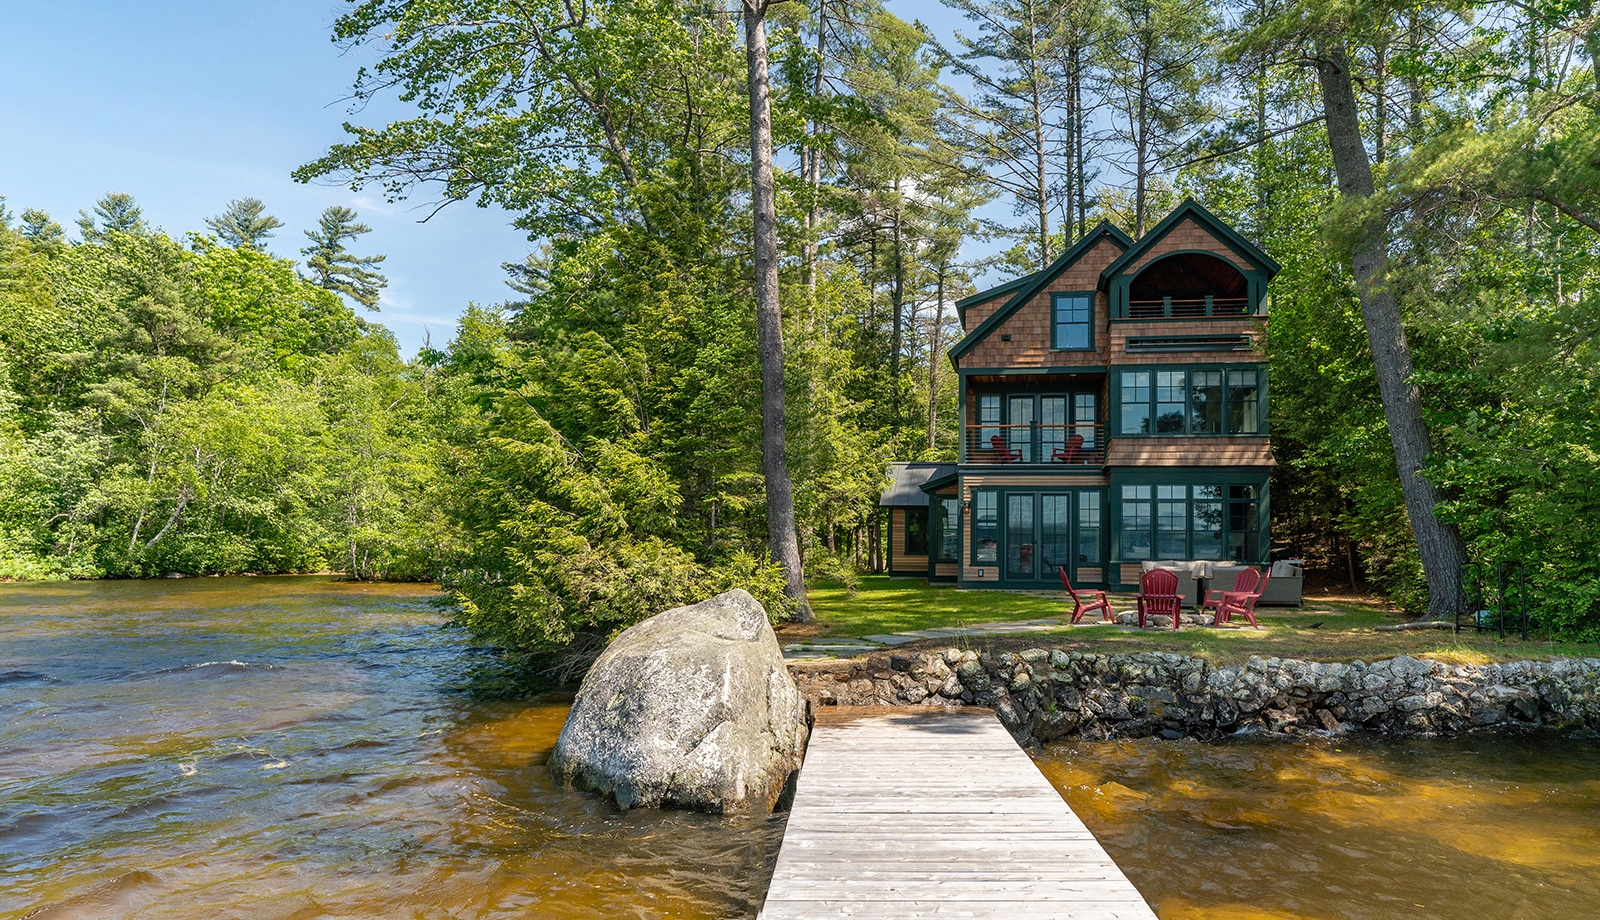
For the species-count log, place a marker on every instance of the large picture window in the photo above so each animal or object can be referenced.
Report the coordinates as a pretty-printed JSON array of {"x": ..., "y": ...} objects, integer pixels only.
[
  {"x": 1191, "y": 522},
  {"x": 1190, "y": 401},
  {"x": 1073, "y": 316}
]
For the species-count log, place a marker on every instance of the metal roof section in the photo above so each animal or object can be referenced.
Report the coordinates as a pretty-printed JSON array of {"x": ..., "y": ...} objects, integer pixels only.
[{"x": 907, "y": 480}]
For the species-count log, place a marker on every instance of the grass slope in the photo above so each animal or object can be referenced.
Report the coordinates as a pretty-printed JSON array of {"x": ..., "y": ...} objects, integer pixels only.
[{"x": 1331, "y": 629}]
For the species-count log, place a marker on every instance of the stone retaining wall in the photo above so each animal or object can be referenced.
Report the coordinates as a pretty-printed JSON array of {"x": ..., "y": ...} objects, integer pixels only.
[{"x": 1044, "y": 695}]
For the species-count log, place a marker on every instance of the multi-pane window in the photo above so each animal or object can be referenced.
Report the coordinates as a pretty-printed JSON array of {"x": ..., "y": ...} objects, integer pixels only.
[
  {"x": 1190, "y": 402},
  {"x": 1191, "y": 522},
  {"x": 985, "y": 527},
  {"x": 1172, "y": 522},
  {"x": 1055, "y": 533},
  {"x": 1207, "y": 514},
  {"x": 1135, "y": 402},
  {"x": 1205, "y": 402},
  {"x": 1088, "y": 528},
  {"x": 949, "y": 530},
  {"x": 1020, "y": 551},
  {"x": 988, "y": 418},
  {"x": 1244, "y": 518},
  {"x": 1074, "y": 317},
  {"x": 1135, "y": 523},
  {"x": 1169, "y": 401},
  {"x": 1244, "y": 416},
  {"x": 916, "y": 531}
]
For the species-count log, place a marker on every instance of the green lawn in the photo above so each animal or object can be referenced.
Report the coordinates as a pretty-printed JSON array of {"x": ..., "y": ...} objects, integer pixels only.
[
  {"x": 1328, "y": 630},
  {"x": 884, "y": 605}
]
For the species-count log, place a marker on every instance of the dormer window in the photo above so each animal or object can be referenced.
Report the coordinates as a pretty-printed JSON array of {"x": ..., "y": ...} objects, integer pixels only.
[{"x": 1073, "y": 321}]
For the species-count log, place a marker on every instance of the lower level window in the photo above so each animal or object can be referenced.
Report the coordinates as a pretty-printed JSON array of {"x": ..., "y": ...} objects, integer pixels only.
[
  {"x": 916, "y": 531},
  {"x": 985, "y": 527},
  {"x": 1191, "y": 522},
  {"x": 1135, "y": 522},
  {"x": 949, "y": 530}
]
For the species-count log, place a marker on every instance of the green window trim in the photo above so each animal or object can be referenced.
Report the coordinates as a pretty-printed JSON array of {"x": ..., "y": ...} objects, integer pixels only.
[
  {"x": 1078, "y": 326},
  {"x": 949, "y": 545},
  {"x": 1227, "y": 518},
  {"x": 985, "y": 527},
  {"x": 1200, "y": 400}
]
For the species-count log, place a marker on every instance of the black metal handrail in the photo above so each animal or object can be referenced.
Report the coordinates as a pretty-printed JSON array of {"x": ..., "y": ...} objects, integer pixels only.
[
  {"x": 1188, "y": 307},
  {"x": 1476, "y": 610},
  {"x": 1071, "y": 445}
]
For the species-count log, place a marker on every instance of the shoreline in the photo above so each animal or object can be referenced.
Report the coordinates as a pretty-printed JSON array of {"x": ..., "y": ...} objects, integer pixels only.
[{"x": 1043, "y": 695}]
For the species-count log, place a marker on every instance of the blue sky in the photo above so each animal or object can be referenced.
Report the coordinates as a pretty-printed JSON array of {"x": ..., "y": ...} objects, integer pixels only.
[{"x": 189, "y": 105}]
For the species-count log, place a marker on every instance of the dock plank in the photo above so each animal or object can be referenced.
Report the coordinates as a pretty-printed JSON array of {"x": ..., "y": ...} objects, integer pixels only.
[{"x": 931, "y": 813}]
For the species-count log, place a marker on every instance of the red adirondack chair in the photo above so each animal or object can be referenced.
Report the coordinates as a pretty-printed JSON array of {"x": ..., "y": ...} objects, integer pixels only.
[
  {"x": 1158, "y": 595},
  {"x": 1242, "y": 599},
  {"x": 1068, "y": 454},
  {"x": 1002, "y": 453},
  {"x": 1085, "y": 600}
]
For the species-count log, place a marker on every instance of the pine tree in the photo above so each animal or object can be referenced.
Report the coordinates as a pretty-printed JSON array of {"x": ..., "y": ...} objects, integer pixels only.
[
  {"x": 38, "y": 229},
  {"x": 243, "y": 225},
  {"x": 334, "y": 268},
  {"x": 117, "y": 213}
]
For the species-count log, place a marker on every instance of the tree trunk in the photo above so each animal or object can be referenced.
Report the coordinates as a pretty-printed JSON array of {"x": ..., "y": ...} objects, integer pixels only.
[
  {"x": 1141, "y": 145},
  {"x": 813, "y": 164},
  {"x": 933, "y": 360},
  {"x": 1040, "y": 153},
  {"x": 897, "y": 300},
  {"x": 1439, "y": 544},
  {"x": 769, "y": 315}
]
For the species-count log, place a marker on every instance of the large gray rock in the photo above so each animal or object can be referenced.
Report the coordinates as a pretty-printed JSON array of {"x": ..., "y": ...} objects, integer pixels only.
[{"x": 692, "y": 708}]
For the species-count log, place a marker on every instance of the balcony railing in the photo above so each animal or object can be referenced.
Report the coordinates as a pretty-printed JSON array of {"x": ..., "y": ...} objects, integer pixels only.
[
  {"x": 1073, "y": 445},
  {"x": 1186, "y": 308}
]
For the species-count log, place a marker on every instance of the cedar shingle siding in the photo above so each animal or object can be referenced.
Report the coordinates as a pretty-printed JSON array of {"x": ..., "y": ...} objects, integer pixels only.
[{"x": 1072, "y": 511}]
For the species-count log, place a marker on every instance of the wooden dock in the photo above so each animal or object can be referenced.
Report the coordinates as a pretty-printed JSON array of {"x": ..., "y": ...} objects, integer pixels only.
[{"x": 909, "y": 813}]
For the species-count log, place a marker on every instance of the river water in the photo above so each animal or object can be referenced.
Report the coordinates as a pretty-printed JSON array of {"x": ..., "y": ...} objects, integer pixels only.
[{"x": 302, "y": 747}]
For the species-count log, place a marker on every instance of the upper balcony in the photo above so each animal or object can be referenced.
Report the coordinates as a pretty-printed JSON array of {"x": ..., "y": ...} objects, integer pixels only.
[
  {"x": 1187, "y": 285},
  {"x": 1078, "y": 445}
]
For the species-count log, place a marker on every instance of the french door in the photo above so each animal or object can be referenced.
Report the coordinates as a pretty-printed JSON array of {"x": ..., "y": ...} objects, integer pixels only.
[
  {"x": 1058, "y": 417},
  {"x": 1048, "y": 529}
]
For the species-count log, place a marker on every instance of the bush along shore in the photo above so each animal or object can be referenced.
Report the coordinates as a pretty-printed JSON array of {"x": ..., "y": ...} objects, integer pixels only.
[{"x": 1048, "y": 694}]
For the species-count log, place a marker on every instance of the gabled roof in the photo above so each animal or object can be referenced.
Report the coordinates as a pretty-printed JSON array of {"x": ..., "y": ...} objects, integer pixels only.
[
  {"x": 906, "y": 481},
  {"x": 1192, "y": 209},
  {"x": 1037, "y": 282},
  {"x": 996, "y": 291}
]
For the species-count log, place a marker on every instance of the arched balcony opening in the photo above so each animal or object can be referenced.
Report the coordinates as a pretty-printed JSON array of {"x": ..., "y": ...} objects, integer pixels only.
[{"x": 1188, "y": 284}]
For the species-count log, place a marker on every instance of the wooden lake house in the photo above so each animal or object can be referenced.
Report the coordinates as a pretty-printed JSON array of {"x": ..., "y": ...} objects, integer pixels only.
[{"x": 1113, "y": 410}]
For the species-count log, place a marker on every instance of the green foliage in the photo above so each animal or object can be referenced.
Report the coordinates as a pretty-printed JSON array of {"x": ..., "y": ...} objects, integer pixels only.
[
  {"x": 244, "y": 225},
  {"x": 38, "y": 229},
  {"x": 334, "y": 268},
  {"x": 115, "y": 213},
  {"x": 201, "y": 410}
]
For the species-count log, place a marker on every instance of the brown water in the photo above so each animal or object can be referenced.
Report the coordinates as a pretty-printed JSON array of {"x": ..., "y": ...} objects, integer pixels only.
[
  {"x": 299, "y": 747},
  {"x": 1485, "y": 828}
]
